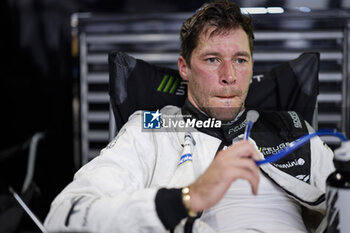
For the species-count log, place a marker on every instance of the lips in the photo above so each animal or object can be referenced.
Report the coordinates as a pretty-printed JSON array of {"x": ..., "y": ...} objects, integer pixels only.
[
  {"x": 227, "y": 93},
  {"x": 226, "y": 97}
]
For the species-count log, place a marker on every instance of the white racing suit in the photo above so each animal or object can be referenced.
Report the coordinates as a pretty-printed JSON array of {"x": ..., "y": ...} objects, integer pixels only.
[{"x": 116, "y": 191}]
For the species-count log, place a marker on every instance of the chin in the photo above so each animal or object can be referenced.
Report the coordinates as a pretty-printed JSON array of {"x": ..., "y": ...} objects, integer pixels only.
[
  {"x": 223, "y": 113},
  {"x": 227, "y": 116}
]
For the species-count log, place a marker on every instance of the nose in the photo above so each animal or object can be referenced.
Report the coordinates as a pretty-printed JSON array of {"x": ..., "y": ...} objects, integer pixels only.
[{"x": 227, "y": 73}]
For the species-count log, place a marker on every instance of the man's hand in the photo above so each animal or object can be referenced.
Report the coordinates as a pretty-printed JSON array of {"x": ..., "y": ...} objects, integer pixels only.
[{"x": 236, "y": 162}]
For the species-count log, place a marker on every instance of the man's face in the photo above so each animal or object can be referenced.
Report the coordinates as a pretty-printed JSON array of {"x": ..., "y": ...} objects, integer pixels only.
[{"x": 220, "y": 73}]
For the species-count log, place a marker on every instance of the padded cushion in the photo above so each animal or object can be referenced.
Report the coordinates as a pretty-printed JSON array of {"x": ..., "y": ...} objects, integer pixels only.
[
  {"x": 138, "y": 85},
  {"x": 291, "y": 85}
]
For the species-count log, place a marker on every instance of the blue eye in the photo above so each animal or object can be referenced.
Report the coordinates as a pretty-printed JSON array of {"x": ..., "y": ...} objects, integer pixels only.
[
  {"x": 211, "y": 59},
  {"x": 241, "y": 61}
]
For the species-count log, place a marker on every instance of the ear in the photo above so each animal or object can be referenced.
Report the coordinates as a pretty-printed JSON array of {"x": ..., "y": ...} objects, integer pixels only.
[{"x": 184, "y": 69}]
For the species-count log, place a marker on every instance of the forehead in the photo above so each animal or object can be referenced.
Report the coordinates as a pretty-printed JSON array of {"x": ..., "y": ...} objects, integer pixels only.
[{"x": 226, "y": 39}]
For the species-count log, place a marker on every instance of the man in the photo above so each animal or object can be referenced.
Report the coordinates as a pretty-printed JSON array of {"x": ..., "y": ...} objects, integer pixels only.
[{"x": 203, "y": 179}]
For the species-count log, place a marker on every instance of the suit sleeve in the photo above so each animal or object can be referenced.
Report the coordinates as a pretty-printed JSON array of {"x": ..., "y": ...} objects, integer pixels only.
[
  {"x": 111, "y": 194},
  {"x": 321, "y": 161}
]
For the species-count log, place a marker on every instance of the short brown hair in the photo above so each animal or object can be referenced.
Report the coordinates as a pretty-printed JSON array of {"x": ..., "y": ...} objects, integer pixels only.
[{"x": 222, "y": 15}]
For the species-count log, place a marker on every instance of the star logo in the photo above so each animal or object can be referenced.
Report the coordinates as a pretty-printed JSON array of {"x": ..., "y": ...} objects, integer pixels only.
[
  {"x": 156, "y": 115},
  {"x": 152, "y": 120}
]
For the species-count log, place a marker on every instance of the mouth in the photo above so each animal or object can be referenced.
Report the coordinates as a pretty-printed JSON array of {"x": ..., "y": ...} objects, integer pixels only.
[{"x": 226, "y": 97}]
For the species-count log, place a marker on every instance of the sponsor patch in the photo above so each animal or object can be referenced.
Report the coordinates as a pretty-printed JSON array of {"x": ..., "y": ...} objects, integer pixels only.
[
  {"x": 184, "y": 158},
  {"x": 290, "y": 164},
  {"x": 296, "y": 119}
]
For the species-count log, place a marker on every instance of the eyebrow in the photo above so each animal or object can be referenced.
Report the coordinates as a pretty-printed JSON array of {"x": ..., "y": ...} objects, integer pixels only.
[
  {"x": 239, "y": 53},
  {"x": 242, "y": 53}
]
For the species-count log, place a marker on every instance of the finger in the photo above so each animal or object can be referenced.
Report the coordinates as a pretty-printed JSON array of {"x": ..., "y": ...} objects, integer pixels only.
[
  {"x": 257, "y": 155},
  {"x": 224, "y": 168},
  {"x": 249, "y": 176},
  {"x": 244, "y": 163},
  {"x": 247, "y": 165},
  {"x": 254, "y": 170},
  {"x": 244, "y": 149}
]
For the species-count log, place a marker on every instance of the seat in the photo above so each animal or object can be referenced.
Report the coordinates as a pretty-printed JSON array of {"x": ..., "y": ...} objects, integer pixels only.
[{"x": 138, "y": 85}]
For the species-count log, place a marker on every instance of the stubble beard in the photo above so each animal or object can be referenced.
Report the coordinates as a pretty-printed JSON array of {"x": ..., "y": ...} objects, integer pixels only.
[
  {"x": 220, "y": 113},
  {"x": 223, "y": 113}
]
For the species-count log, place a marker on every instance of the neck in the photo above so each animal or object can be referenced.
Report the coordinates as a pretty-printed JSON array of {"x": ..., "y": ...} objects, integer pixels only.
[{"x": 228, "y": 130}]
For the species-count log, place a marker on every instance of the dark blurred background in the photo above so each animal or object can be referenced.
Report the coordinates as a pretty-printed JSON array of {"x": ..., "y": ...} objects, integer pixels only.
[{"x": 36, "y": 80}]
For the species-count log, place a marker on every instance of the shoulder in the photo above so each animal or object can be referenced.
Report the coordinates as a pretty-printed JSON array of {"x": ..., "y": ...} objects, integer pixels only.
[
  {"x": 289, "y": 122},
  {"x": 135, "y": 124},
  {"x": 169, "y": 109},
  {"x": 290, "y": 117}
]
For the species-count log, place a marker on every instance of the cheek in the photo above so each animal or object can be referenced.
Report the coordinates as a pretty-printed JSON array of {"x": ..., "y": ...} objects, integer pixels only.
[
  {"x": 201, "y": 71},
  {"x": 204, "y": 79},
  {"x": 244, "y": 76}
]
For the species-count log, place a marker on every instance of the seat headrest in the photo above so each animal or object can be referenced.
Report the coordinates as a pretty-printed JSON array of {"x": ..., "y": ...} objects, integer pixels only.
[{"x": 138, "y": 85}]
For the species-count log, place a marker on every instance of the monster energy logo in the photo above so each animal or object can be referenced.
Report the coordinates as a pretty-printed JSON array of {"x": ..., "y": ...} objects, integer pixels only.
[{"x": 169, "y": 84}]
